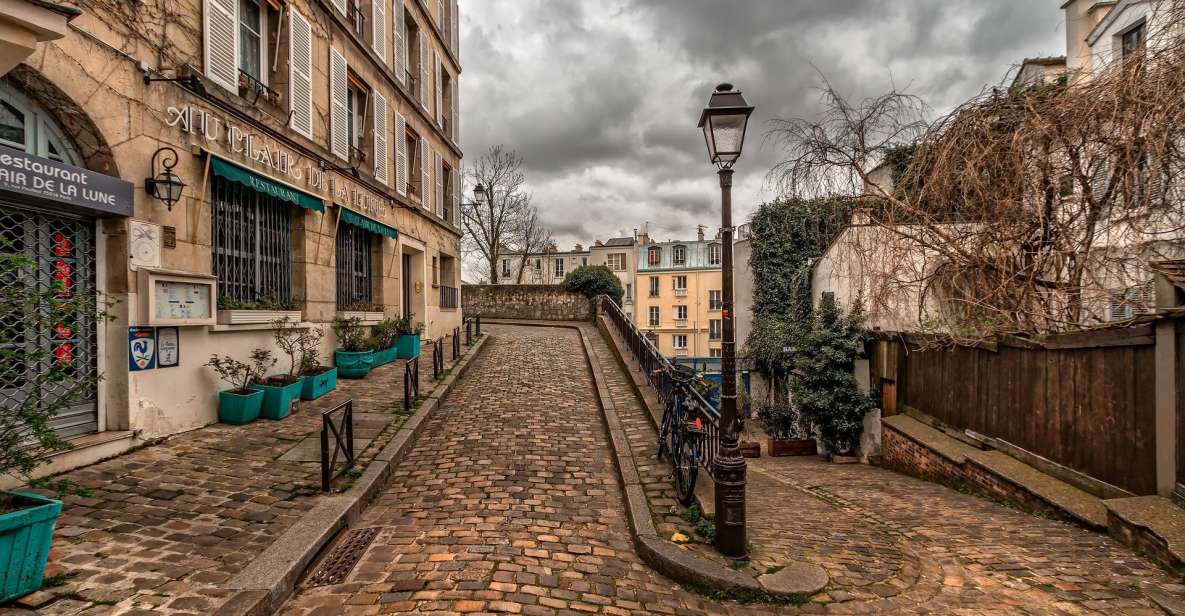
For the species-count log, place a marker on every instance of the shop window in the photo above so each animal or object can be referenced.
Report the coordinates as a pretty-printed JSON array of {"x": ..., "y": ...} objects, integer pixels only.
[
  {"x": 25, "y": 127},
  {"x": 355, "y": 274},
  {"x": 252, "y": 244}
]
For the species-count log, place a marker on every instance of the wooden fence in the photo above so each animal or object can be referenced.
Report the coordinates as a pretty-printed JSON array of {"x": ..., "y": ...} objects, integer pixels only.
[{"x": 1087, "y": 401}]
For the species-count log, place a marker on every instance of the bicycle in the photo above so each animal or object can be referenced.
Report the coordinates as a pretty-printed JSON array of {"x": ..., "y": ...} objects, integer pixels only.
[{"x": 681, "y": 434}]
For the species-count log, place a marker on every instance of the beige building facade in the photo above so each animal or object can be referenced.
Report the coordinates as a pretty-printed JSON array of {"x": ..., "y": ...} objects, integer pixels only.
[
  {"x": 547, "y": 267},
  {"x": 317, "y": 144},
  {"x": 679, "y": 301},
  {"x": 618, "y": 254}
]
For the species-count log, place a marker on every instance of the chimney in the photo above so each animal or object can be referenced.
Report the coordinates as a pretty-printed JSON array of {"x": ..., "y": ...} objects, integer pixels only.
[
  {"x": 599, "y": 243},
  {"x": 579, "y": 248},
  {"x": 700, "y": 232}
]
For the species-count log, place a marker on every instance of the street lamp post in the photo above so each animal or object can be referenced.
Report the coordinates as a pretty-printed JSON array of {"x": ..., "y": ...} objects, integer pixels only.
[{"x": 724, "y": 121}]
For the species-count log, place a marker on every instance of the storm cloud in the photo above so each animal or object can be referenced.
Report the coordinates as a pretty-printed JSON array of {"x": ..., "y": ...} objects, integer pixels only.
[{"x": 601, "y": 98}]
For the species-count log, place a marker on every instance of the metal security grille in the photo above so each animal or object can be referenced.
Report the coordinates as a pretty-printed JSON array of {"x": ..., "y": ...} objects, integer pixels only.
[
  {"x": 62, "y": 250},
  {"x": 354, "y": 275},
  {"x": 252, "y": 244}
]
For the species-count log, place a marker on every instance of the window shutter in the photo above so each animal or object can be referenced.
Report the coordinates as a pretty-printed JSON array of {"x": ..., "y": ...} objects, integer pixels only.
[
  {"x": 423, "y": 70},
  {"x": 300, "y": 81},
  {"x": 340, "y": 5},
  {"x": 400, "y": 56},
  {"x": 456, "y": 30},
  {"x": 456, "y": 116},
  {"x": 222, "y": 43},
  {"x": 400, "y": 153},
  {"x": 439, "y": 89},
  {"x": 425, "y": 176},
  {"x": 381, "y": 162},
  {"x": 456, "y": 196},
  {"x": 438, "y": 168},
  {"x": 378, "y": 21},
  {"x": 339, "y": 140}
]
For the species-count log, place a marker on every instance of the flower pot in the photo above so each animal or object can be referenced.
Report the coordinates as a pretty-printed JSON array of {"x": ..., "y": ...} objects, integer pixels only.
[
  {"x": 408, "y": 346},
  {"x": 239, "y": 409},
  {"x": 385, "y": 356},
  {"x": 25, "y": 538},
  {"x": 353, "y": 365},
  {"x": 279, "y": 399},
  {"x": 316, "y": 385},
  {"x": 749, "y": 449},
  {"x": 793, "y": 447}
]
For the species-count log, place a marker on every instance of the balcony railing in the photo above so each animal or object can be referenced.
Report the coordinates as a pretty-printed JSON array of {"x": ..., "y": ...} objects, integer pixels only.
[
  {"x": 448, "y": 297},
  {"x": 357, "y": 18},
  {"x": 250, "y": 86},
  {"x": 680, "y": 292},
  {"x": 680, "y": 322}
]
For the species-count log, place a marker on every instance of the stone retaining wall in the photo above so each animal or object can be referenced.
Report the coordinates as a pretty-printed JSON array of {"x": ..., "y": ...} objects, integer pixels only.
[{"x": 529, "y": 302}]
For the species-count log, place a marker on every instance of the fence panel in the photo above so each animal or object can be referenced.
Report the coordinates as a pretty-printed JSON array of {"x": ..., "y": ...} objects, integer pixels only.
[{"x": 1088, "y": 407}]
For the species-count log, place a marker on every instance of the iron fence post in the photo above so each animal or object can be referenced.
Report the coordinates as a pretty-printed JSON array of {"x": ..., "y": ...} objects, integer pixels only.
[{"x": 325, "y": 471}]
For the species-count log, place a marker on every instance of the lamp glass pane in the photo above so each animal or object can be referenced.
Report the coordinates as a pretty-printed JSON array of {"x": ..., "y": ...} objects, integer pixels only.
[
  {"x": 173, "y": 187},
  {"x": 708, "y": 139},
  {"x": 728, "y": 132}
]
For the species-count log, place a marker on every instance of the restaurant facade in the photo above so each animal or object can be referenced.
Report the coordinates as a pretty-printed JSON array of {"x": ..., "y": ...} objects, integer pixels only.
[{"x": 206, "y": 167}]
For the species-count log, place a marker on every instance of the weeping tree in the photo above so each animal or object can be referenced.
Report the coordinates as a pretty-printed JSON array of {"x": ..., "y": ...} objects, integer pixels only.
[{"x": 1030, "y": 209}]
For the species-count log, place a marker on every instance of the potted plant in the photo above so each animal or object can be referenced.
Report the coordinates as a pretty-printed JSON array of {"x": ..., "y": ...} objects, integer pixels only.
[
  {"x": 367, "y": 312},
  {"x": 409, "y": 338},
  {"x": 281, "y": 392},
  {"x": 317, "y": 380},
  {"x": 258, "y": 312},
  {"x": 355, "y": 356},
  {"x": 386, "y": 335},
  {"x": 240, "y": 404},
  {"x": 788, "y": 436},
  {"x": 26, "y": 519}
]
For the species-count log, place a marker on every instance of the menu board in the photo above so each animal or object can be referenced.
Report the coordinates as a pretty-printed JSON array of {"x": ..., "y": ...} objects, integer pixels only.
[{"x": 176, "y": 300}]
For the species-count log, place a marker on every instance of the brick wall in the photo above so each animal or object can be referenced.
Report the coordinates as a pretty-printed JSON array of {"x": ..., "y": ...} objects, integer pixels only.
[{"x": 530, "y": 302}]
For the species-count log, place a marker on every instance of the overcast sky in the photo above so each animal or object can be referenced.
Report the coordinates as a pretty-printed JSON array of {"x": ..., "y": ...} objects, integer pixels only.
[{"x": 601, "y": 98}]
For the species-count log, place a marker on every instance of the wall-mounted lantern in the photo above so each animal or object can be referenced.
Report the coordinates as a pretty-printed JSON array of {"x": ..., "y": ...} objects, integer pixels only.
[{"x": 165, "y": 186}]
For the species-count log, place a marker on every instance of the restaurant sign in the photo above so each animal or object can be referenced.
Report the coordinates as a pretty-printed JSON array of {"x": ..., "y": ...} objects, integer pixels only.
[{"x": 45, "y": 180}]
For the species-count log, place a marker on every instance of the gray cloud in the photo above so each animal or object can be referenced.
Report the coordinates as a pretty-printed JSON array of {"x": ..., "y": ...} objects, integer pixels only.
[{"x": 601, "y": 99}]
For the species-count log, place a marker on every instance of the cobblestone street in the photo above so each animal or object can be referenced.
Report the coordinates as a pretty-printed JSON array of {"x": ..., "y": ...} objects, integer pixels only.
[{"x": 510, "y": 503}]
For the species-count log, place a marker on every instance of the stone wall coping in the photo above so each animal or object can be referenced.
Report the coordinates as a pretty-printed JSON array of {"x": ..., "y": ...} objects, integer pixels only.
[
  {"x": 928, "y": 437},
  {"x": 1156, "y": 515}
]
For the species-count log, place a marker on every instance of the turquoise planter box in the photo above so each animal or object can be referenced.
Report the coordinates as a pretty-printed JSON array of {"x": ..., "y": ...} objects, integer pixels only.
[
  {"x": 278, "y": 400},
  {"x": 352, "y": 365},
  {"x": 239, "y": 409},
  {"x": 408, "y": 346},
  {"x": 316, "y": 385},
  {"x": 25, "y": 539},
  {"x": 389, "y": 354}
]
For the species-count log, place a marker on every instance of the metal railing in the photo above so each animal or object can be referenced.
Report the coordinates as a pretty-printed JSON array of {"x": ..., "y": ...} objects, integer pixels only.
[
  {"x": 411, "y": 383},
  {"x": 343, "y": 442},
  {"x": 456, "y": 343},
  {"x": 437, "y": 358},
  {"x": 448, "y": 297},
  {"x": 657, "y": 369}
]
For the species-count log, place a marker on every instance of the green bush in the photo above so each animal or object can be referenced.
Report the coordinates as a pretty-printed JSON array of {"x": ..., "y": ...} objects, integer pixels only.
[
  {"x": 783, "y": 422},
  {"x": 594, "y": 280}
]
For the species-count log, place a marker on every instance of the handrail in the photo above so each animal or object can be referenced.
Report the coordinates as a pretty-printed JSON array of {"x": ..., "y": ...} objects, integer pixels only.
[
  {"x": 657, "y": 370},
  {"x": 343, "y": 442}
]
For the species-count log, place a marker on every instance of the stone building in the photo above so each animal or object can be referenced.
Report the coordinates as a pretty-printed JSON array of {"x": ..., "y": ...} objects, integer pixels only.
[
  {"x": 317, "y": 141},
  {"x": 618, "y": 254},
  {"x": 547, "y": 267},
  {"x": 679, "y": 296}
]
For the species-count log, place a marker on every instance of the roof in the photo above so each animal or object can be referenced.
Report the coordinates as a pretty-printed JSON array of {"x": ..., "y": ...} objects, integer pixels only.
[
  {"x": 1045, "y": 61},
  {"x": 1173, "y": 269},
  {"x": 69, "y": 11},
  {"x": 620, "y": 241}
]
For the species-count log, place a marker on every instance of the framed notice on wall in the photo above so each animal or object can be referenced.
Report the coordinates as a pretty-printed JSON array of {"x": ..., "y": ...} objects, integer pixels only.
[
  {"x": 178, "y": 298},
  {"x": 168, "y": 347}
]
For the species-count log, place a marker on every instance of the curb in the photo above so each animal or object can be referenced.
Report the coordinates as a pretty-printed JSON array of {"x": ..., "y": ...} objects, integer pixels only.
[
  {"x": 269, "y": 579},
  {"x": 673, "y": 562}
]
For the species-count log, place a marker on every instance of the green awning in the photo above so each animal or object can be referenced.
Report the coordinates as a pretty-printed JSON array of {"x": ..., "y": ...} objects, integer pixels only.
[
  {"x": 259, "y": 183},
  {"x": 350, "y": 217}
]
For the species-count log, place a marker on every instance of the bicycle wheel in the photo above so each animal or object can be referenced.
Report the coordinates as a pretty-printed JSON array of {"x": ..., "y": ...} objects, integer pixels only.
[
  {"x": 664, "y": 432},
  {"x": 686, "y": 467}
]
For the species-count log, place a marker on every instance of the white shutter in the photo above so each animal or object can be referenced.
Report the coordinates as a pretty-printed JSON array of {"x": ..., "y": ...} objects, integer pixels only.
[
  {"x": 456, "y": 30},
  {"x": 440, "y": 17},
  {"x": 400, "y": 57},
  {"x": 425, "y": 177},
  {"x": 456, "y": 104},
  {"x": 222, "y": 43},
  {"x": 456, "y": 195},
  {"x": 401, "y": 178},
  {"x": 300, "y": 79},
  {"x": 381, "y": 162},
  {"x": 423, "y": 70},
  {"x": 378, "y": 21},
  {"x": 340, "y": 5},
  {"x": 438, "y": 168},
  {"x": 339, "y": 110},
  {"x": 439, "y": 89}
]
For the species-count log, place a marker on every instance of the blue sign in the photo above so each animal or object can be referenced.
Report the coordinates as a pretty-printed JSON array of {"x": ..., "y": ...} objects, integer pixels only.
[{"x": 141, "y": 348}]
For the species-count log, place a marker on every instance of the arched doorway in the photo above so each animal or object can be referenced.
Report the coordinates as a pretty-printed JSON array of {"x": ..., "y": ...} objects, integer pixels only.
[{"x": 61, "y": 246}]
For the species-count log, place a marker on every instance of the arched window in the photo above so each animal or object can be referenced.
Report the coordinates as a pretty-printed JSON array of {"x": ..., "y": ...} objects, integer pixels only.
[{"x": 26, "y": 127}]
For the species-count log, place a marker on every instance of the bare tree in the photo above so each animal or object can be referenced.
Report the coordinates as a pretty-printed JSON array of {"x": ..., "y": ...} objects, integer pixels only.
[
  {"x": 530, "y": 237},
  {"x": 490, "y": 226}
]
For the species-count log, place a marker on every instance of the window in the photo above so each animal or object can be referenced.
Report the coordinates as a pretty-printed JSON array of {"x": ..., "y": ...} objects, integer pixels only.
[
  {"x": 252, "y": 43},
  {"x": 679, "y": 255},
  {"x": 27, "y": 128},
  {"x": 539, "y": 265},
  {"x": 713, "y": 254},
  {"x": 714, "y": 301},
  {"x": 713, "y": 352},
  {"x": 354, "y": 268},
  {"x": 435, "y": 272},
  {"x": 505, "y": 268},
  {"x": 654, "y": 286},
  {"x": 1132, "y": 41},
  {"x": 617, "y": 261},
  {"x": 654, "y": 255},
  {"x": 828, "y": 296},
  {"x": 654, "y": 316},
  {"x": 414, "y": 162},
  {"x": 584, "y": 261},
  {"x": 680, "y": 313},
  {"x": 679, "y": 341},
  {"x": 252, "y": 244},
  {"x": 714, "y": 328},
  {"x": 679, "y": 283},
  {"x": 559, "y": 268},
  {"x": 357, "y": 95},
  {"x": 629, "y": 291}
]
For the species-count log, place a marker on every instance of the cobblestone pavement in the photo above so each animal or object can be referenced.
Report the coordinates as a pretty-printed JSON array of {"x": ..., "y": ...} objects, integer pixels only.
[
  {"x": 509, "y": 503},
  {"x": 163, "y": 527}
]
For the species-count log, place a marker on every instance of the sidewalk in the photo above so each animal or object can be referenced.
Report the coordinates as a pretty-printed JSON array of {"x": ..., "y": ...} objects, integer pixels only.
[{"x": 164, "y": 527}]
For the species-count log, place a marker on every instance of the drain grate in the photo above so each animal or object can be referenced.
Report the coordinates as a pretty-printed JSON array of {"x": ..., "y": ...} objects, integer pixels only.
[{"x": 340, "y": 562}]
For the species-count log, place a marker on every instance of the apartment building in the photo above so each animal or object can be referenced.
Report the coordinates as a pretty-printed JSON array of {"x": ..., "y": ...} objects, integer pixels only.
[
  {"x": 547, "y": 267},
  {"x": 313, "y": 144},
  {"x": 679, "y": 297},
  {"x": 618, "y": 254}
]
